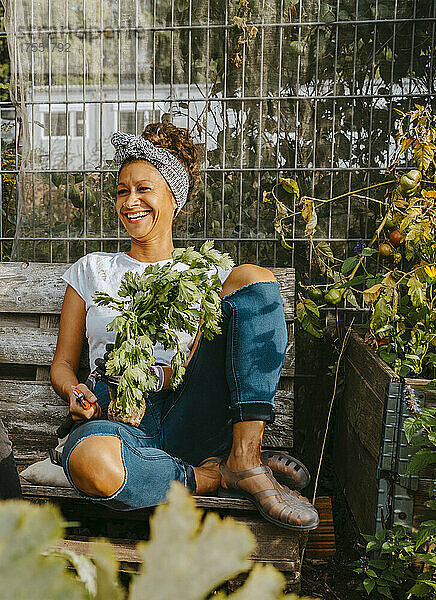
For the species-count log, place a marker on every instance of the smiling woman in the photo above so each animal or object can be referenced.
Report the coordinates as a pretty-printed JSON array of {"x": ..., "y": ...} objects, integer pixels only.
[
  {"x": 159, "y": 171},
  {"x": 209, "y": 431}
]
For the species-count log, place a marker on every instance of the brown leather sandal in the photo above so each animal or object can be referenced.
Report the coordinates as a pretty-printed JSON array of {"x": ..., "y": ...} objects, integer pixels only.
[
  {"x": 279, "y": 505},
  {"x": 286, "y": 469},
  {"x": 212, "y": 459}
]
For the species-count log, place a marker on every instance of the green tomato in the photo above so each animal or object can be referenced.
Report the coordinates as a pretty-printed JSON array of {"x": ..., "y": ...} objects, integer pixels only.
[
  {"x": 333, "y": 296},
  {"x": 315, "y": 294},
  {"x": 409, "y": 183},
  {"x": 389, "y": 224},
  {"x": 74, "y": 196}
]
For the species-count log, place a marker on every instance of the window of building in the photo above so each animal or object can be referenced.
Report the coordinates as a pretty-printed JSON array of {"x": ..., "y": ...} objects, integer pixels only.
[
  {"x": 128, "y": 121},
  {"x": 79, "y": 123},
  {"x": 58, "y": 124},
  {"x": 7, "y": 123},
  {"x": 152, "y": 115}
]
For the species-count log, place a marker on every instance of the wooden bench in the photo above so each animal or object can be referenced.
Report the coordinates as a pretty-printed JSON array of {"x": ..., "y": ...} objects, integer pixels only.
[{"x": 30, "y": 302}]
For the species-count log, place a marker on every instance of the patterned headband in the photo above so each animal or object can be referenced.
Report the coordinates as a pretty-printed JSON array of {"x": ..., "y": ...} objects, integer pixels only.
[{"x": 171, "y": 169}]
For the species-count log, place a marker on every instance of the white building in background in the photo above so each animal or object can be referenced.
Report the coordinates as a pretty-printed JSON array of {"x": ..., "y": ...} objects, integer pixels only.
[{"x": 94, "y": 114}]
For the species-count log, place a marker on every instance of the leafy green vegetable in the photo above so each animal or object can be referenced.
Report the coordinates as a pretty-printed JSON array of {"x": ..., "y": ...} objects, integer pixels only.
[{"x": 153, "y": 306}]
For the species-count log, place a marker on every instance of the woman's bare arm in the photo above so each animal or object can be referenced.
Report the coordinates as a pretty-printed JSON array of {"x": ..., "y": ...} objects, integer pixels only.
[{"x": 67, "y": 355}]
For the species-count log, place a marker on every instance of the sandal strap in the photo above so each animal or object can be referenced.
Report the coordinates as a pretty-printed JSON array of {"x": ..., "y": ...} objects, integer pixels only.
[
  {"x": 282, "y": 506},
  {"x": 212, "y": 459},
  {"x": 288, "y": 469},
  {"x": 282, "y": 458},
  {"x": 232, "y": 477}
]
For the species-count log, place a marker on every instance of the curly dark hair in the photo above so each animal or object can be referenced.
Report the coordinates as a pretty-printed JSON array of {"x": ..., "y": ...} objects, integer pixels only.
[{"x": 177, "y": 141}]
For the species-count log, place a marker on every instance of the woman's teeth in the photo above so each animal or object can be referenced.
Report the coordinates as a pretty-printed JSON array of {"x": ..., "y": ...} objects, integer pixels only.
[{"x": 138, "y": 215}]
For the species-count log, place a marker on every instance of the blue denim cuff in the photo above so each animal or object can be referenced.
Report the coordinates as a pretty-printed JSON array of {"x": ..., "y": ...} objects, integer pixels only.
[
  {"x": 191, "y": 482},
  {"x": 252, "y": 411}
]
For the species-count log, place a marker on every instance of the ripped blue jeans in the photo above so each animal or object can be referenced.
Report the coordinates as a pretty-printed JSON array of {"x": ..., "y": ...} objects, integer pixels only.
[{"x": 231, "y": 378}]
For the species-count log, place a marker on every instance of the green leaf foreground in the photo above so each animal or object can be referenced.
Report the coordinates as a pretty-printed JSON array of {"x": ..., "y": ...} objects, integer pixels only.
[
  {"x": 152, "y": 307},
  {"x": 186, "y": 558}
]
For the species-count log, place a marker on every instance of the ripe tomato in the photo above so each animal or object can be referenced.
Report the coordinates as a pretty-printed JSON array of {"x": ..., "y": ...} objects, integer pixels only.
[
  {"x": 396, "y": 238},
  {"x": 385, "y": 249}
]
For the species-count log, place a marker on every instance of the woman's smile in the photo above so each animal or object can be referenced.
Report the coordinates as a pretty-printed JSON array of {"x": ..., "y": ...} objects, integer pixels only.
[{"x": 137, "y": 215}]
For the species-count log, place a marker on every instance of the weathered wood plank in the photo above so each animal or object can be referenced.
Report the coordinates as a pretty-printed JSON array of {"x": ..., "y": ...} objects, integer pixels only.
[
  {"x": 23, "y": 459},
  {"x": 213, "y": 502},
  {"x": 288, "y": 369},
  {"x": 322, "y": 539},
  {"x": 32, "y": 346},
  {"x": 28, "y": 346},
  {"x": 38, "y": 287},
  {"x": 356, "y": 469},
  {"x": 283, "y": 549},
  {"x": 280, "y": 433},
  {"x": 286, "y": 278},
  {"x": 124, "y": 550},
  {"x": 359, "y": 429},
  {"x": 375, "y": 371},
  {"x": 271, "y": 549},
  {"x": 19, "y": 320},
  {"x": 46, "y": 322},
  {"x": 359, "y": 424},
  {"x": 364, "y": 409},
  {"x": 32, "y": 412},
  {"x": 31, "y": 287}
]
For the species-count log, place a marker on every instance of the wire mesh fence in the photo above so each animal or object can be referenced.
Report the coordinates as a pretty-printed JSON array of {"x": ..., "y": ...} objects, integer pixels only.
[{"x": 269, "y": 89}]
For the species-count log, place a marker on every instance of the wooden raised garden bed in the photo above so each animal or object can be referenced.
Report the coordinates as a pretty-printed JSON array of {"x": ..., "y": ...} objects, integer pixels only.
[{"x": 370, "y": 450}]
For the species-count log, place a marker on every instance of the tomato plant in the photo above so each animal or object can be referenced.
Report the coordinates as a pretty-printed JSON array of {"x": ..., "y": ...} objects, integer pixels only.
[{"x": 397, "y": 281}]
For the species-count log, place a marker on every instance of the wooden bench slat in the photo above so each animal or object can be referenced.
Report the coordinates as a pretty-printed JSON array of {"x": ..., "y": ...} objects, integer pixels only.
[
  {"x": 270, "y": 548},
  {"x": 32, "y": 346},
  {"x": 38, "y": 287},
  {"x": 212, "y": 502},
  {"x": 32, "y": 411},
  {"x": 32, "y": 287},
  {"x": 19, "y": 320},
  {"x": 29, "y": 346}
]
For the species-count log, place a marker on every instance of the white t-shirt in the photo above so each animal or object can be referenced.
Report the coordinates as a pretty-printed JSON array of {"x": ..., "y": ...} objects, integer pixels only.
[{"x": 103, "y": 271}]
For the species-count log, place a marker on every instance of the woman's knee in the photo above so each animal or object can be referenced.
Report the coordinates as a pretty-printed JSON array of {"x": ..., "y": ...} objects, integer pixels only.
[
  {"x": 244, "y": 275},
  {"x": 96, "y": 465}
]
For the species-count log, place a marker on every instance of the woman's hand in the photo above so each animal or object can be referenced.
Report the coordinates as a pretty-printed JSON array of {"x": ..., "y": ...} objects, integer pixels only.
[{"x": 77, "y": 411}]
